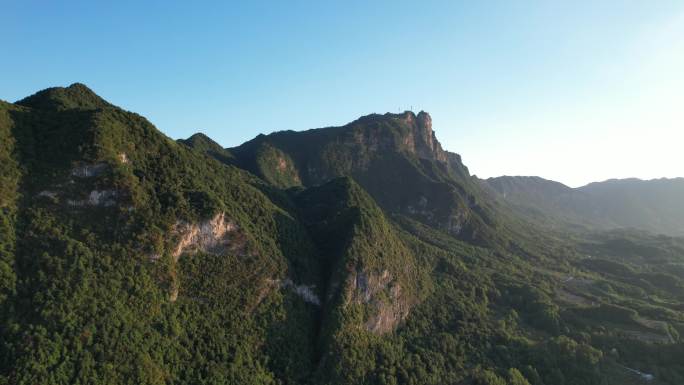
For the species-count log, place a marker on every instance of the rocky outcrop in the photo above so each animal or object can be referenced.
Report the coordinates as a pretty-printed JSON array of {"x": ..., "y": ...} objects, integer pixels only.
[
  {"x": 89, "y": 170},
  {"x": 48, "y": 194},
  {"x": 217, "y": 235},
  {"x": 305, "y": 292},
  {"x": 101, "y": 198},
  {"x": 421, "y": 208},
  {"x": 424, "y": 139},
  {"x": 416, "y": 135},
  {"x": 456, "y": 223},
  {"x": 396, "y": 157},
  {"x": 379, "y": 290}
]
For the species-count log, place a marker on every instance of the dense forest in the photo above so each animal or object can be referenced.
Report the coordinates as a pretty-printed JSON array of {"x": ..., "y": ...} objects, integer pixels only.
[{"x": 361, "y": 254}]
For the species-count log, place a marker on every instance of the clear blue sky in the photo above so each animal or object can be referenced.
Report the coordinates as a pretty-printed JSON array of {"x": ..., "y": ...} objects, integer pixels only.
[{"x": 576, "y": 91}]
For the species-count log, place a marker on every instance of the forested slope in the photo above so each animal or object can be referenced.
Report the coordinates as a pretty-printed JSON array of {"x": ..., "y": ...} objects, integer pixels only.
[{"x": 362, "y": 254}]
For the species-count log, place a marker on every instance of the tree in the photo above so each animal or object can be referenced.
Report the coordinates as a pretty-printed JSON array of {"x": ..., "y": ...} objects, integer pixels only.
[{"x": 516, "y": 378}]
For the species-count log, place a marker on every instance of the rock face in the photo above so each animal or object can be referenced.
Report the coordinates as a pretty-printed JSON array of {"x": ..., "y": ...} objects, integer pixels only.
[
  {"x": 48, "y": 194},
  {"x": 101, "y": 198},
  {"x": 395, "y": 157},
  {"x": 324, "y": 154},
  {"x": 422, "y": 140},
  {"x": 383, "y": 294},
  {"x": 366, "y": 268},
  {"x": 89, "y": 170},
  {"x": 305, "y": 292},
  {"x": 217, "y": 235},
  {"x": 415, "y": 135}
]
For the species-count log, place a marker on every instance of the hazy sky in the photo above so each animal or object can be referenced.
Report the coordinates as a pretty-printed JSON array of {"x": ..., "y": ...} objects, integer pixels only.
[{"x": 577, "y": 91}]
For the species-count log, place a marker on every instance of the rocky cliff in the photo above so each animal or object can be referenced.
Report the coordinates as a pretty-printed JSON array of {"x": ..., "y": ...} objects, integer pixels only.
[{"x": 395, "y": 157}]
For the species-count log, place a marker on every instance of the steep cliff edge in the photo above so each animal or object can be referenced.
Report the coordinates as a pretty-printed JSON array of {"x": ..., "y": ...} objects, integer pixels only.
[
  {"x": 364, "y": 263},
  {"x": 362, "y": 254},
  {"x": 104, "y": 219},
  {"x": 395, "y": 157}
]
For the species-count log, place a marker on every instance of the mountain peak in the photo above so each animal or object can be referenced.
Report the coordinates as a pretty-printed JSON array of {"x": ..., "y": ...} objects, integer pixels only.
[
  {"x": 75, "y": 96},
  {"x": 424, "y": 139},
  {"x": 202, "y": 143},
  {"x": 424, "y": 119},
  {"x": 415, "y": 132},
  {"x": 199, "y": 136}
]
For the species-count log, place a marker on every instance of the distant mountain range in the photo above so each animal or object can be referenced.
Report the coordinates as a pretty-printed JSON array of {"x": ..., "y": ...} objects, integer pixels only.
[
  {"x": 654, "y": 205},
  {"x": 360, "y": 254}
]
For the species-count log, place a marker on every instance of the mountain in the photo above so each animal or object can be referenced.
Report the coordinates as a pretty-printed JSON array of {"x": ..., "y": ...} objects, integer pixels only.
[
  {"x": 360, "y": 254},
  {"x": 204, "y": 144},
  {"x": 76, "y": 96},
  {"x": 654, "y": 205},
  {"x": 382, "y": 153}
]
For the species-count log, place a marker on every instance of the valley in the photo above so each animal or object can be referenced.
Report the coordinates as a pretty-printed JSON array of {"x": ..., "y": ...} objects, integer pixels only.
[{"x": 358, "y": 254}]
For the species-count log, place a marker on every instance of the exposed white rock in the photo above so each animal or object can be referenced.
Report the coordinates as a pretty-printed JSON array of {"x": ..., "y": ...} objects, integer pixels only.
[
  {"x": 89, "y": 170},
  {"x": 456, "y": 223},
  {"x": 365, "y": 287},
  {"x": 123, "y": 158},
  {"x": 47, "y": 193},
  {"x": 215, "y": 235},
  {"x": 305, "y": 292},
  {"x": 102, "y": 198}
]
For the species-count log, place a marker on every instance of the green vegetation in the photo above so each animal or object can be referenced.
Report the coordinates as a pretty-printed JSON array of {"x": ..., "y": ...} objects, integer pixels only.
[
  {"x": 362, "y": 254},
  {"x": 653, "y": 205},
  {"x": 9, "y": 184},
  {"x": 381, "y": 153},
  {"x": 91, "y": 301}
]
